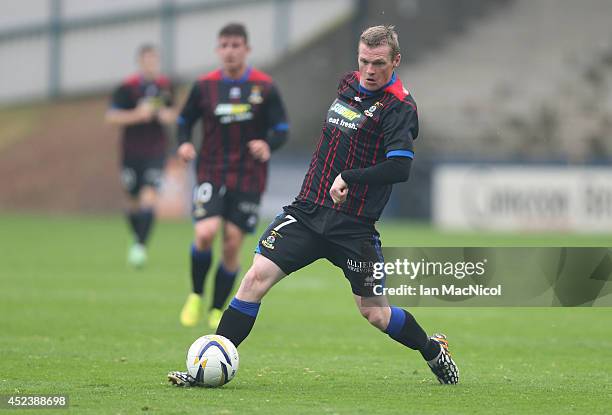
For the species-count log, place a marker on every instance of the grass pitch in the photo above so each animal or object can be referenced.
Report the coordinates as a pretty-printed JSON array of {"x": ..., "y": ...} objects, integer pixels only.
[{"x": 76, "y": 320}]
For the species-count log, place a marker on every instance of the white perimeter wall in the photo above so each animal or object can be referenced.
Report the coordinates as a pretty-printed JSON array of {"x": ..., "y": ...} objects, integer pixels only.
[
  {"x": 522, "y": 198},
  {"x": 101, "y": 56}
]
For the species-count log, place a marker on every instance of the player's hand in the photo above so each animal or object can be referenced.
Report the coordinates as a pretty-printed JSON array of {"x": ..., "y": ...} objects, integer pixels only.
[
  {"x": 186, "y": 152},
  {"x": 339, "y": 190},
  {"x": 166, "y": 116},
  {"x": 260, "y": 150},
  {"x": 145, "y": 111}
]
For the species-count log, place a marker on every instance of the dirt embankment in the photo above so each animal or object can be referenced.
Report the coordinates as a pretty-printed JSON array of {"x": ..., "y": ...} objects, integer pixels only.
[{"x": 66, "y": 162}]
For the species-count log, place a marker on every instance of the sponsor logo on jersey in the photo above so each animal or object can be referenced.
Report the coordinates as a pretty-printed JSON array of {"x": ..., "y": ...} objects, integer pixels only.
[
  {"x": 229, "y": 113},
  {"x": 341, "y": 123},
  {"x": 344, "y": 117},
  {"x": 344, "y": 112},
  {"x": 361, "y": 267}
]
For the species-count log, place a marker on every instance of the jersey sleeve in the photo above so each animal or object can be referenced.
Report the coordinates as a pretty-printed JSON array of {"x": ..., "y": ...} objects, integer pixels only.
[
  {"x": 276, "y": 118},
  {"x": 122, "y": 99},
  {"x": 190, "y": 114},
  {"x": 400, "y": 128}
]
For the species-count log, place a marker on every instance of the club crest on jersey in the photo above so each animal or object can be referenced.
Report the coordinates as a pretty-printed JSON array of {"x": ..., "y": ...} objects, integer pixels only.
[
  {"x": 271, "y": 240},
  {"x": 199, "y": 211},
  {"x": 370, "y": 111},
  {"x": 235, "y": 92},
  {"x": 255, "y": 97}
]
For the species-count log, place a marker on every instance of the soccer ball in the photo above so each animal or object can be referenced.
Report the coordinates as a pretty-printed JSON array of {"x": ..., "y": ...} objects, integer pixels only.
[{"x": 212, "y": 360}]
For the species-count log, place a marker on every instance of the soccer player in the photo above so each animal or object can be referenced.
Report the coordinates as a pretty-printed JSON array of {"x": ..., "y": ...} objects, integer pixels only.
[
  {"x": 142, "y": 105},
  {"x": 366, "y": 146},
  {"x": 243, "y": 122}
]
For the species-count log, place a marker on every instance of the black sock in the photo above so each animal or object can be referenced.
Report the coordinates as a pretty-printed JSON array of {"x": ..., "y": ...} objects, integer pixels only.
[
  {"x": 200, "y": 262},
  {"x": 224, "y": 282},
  {"x": 134, "y": 221},
  {"x": 147, "y": 217},
  {"x": 238, "y": 320},
  {"x": 404, "y": 329}
]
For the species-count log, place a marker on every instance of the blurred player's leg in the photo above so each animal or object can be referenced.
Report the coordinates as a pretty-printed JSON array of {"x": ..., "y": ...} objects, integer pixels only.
[
  {"x": 227, "y": 271},
  {"x": 137, "y": 255},
  {"x": 239, "y": 318},
  {"x": 201, "y": 257},
  {"x": 148, "y": 198}
]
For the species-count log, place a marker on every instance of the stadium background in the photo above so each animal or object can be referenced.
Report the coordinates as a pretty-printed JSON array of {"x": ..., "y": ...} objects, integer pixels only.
[{"x": 523, "y": 87}]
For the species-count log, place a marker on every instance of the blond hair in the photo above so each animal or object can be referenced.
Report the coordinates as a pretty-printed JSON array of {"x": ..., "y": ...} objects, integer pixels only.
[{"x": 376, "y": 36}]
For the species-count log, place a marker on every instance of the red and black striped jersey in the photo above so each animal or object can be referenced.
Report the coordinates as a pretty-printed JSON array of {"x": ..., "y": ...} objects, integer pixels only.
[
  {"x": 234, "y": 112},
  {"x": 362, "y": 128},
  {"x": 145, "y": 140}
]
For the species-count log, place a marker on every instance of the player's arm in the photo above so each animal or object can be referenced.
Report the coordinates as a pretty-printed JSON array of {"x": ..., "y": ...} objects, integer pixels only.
[
  {"x": 277, "y": 125},
  {"x": 392, "y": 170},
  {"x": 123, "y": 113},
  {"x": 189, "y": 115}
]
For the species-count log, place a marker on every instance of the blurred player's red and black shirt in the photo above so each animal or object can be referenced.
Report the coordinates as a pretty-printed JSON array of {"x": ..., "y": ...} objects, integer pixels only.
[
  {"x": 147, "y": 140},
  {"x": 362, "y": 128},
  {"x": 233, "y": 113}
]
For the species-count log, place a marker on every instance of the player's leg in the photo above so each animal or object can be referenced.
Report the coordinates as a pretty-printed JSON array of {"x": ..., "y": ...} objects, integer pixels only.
[
  {"x": 146, "y": 210},
  {"x": 398, "y": 323},
  {"x": 226, "y": 272},
  {"x": 131, "y": 179},
  {"x": 205, "y": 231},
  {"x": 241, "y": 217},
  {"x": 356, "y": 247},
  {"x": 208, "y": 205},
  {"x": 239, "y": 318},
  {"x": 285, "y": 246},
  {"x": 402, "y": 327},
  {"x": 137, "y": 255},
  {"x": 150, "y": 182}
]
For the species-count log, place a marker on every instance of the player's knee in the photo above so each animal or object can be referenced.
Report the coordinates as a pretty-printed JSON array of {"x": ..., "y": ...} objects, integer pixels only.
[
  {"x": 203, "y": 242},
  {"x": 375, "y": 316}
]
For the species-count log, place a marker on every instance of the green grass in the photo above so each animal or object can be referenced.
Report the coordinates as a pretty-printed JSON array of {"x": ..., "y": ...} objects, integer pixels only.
[{"x": 75, "y": 320}]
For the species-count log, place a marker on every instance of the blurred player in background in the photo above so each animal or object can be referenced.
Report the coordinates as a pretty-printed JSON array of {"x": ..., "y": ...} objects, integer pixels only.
[
  {"x": 142, "y": 106},
  {"x": 243, "y": 122},
  {"x": 366, "y": 146}
]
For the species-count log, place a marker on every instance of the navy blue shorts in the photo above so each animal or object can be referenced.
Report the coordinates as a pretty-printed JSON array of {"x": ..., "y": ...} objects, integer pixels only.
[
  {"x": 305, "y": 232},
  {"x": 240, "y": 208},
  {"x": 135, "y": 174}
]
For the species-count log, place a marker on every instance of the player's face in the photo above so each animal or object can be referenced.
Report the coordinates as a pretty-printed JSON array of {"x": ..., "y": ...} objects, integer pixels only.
[
  {"x": 232, "y": 51},
  {"x": 376, "y": 66},
  {"x": 149, "y": 63}
]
